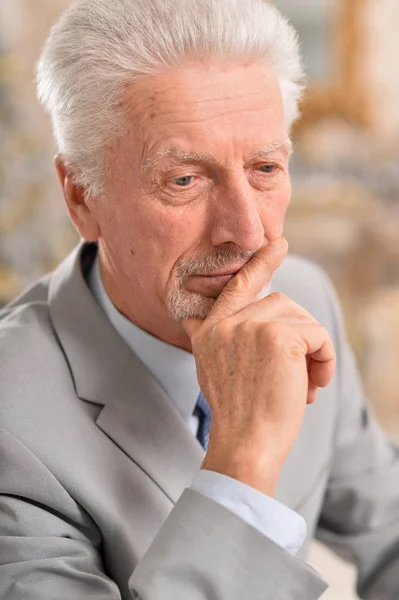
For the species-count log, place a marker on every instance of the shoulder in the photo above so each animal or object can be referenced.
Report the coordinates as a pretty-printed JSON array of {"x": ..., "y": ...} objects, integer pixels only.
[
  {"x": 24, "y": 327},
  {"x": 33, "y": 371},
  {"x": 297, "y": 272},
  {"x": 27, "y": 337}
]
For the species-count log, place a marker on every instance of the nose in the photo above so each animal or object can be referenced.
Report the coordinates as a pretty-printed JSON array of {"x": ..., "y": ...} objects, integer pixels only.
[{"x": 235, "y": 217}]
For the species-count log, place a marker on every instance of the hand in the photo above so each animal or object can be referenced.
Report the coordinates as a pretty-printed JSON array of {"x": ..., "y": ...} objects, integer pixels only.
[{"x": 258, "y": 364}]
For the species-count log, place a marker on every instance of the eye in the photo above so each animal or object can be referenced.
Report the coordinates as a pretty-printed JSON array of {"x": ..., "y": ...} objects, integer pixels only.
[
  {"x": 183, "y": 181},
  {"x": 268, "y": 168}
]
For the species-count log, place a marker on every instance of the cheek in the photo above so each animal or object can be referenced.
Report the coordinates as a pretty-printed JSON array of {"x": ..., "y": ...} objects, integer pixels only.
[
  {"x": 285, "y": 192},
  {"x": 274, "y": 209},
  {"x": 170, "y": 233},
  {"x": 141, "y": 224},
  {"x": 278, "y": 201},
  {"x": 169, "y": 240},
  {"x": 162, "y": 236}
]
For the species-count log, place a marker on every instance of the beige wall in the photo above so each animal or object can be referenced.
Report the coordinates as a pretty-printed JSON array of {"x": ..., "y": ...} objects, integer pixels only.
[{"x": 382, "y": 68}]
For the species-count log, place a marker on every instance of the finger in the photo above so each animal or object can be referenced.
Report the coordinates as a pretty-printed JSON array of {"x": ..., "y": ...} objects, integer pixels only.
[
  {"x": 250, "y": 280},
  {"x": 245, "y": 286},
  {"x": 313, "y": 391},
  {"x": 273, "y": 307},
  {"x": 321, "y": 354},
  {"x": 313, "y": 341},
  {"x": 322, "y": 372}
]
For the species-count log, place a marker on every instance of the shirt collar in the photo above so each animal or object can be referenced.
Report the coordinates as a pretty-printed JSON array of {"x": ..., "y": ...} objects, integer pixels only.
[{"x": 173, "y": 368}]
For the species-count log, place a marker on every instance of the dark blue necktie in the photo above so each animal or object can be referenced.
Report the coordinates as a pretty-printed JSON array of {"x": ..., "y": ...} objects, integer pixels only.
[{"x": 203, "y": 413}]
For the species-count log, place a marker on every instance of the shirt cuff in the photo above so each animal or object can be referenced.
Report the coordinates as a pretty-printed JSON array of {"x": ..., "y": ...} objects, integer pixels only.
[{"x": 273, "y": 519}]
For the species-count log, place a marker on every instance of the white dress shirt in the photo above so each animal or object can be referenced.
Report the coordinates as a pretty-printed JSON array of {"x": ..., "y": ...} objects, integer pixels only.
[{"x": 175, "y": 370}]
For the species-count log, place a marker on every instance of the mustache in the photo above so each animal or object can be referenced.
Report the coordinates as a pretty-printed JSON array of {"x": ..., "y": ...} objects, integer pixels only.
[{"x": 221, "y": 259}]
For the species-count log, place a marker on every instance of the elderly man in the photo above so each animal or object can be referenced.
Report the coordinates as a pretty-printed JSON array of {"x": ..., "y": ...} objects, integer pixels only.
[{"x": 180, "y": 412}]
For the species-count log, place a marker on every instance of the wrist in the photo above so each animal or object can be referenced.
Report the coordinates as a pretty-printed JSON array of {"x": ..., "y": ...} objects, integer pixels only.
[{"x": 257, "y": 474}]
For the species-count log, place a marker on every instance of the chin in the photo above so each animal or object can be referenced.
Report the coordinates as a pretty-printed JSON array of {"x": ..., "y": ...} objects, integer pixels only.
[{"x": 189, "y": 305}]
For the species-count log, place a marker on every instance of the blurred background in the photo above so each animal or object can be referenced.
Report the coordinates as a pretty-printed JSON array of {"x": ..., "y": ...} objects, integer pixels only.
[{"x": 345, "y": 171}]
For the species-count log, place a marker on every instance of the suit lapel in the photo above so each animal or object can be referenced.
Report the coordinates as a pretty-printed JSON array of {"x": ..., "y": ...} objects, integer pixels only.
[
  {"x": 142, "y": 421},
  {"x": 137, "y": 414}
]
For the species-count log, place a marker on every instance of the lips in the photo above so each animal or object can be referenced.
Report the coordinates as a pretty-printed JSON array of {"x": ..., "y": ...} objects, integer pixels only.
[
  {"x": 231, "y": 271},
  {"x": 210, "y": 286},
  {"x": 219, "y": 275}
]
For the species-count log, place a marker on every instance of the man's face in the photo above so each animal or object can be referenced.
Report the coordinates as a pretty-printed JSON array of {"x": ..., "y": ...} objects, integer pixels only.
[{"x": 195, "y": 187}]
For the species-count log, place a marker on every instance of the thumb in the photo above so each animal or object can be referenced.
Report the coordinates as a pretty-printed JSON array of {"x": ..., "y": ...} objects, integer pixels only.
[{"x": 245, "y": 285}]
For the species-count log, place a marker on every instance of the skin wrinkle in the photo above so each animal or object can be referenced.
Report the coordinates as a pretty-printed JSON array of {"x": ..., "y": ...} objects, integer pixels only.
[
  {"x": 157, "y": 97},
  {"x": 154, "y": 235},
  {"x": 153, "y": 161},
  {"x": 156, "y": 101},
  {"x": 205, "y": 119},
  {"x": 216, "y": 116}
]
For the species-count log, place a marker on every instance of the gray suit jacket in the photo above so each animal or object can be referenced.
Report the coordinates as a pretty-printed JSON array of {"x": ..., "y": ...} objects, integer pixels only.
[{"x": 95, "y": 462}]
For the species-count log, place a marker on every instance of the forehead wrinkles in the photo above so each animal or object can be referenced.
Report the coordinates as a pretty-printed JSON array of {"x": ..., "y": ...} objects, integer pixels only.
[
  {"x": 160, "y": 107},
  {"x": 197, "y": 110},
  {"x": 178, "y": 93}
]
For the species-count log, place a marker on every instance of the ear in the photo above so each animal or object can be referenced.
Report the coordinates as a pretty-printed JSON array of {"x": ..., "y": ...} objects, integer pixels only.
[{"x": 80, "y": 212}]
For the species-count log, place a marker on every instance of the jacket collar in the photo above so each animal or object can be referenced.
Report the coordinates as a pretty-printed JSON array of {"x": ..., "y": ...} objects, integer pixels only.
[{"x": 137, "y": 414}]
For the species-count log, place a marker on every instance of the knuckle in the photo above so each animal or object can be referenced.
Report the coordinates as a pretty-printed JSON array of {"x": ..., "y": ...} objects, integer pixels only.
[
  {"x": 290, "y": 307},
  {"x": 323, "y": 331},
  {"x": 280, "y": 297}
]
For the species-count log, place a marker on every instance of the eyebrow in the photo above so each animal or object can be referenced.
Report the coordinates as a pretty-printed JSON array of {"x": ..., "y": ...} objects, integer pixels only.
[{"x": 198, "y": 157}]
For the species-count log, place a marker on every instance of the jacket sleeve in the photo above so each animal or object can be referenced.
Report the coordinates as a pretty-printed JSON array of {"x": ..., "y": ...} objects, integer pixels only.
[
  {"x": 50, "y": 547},
  {"x": 275, "y": 520},
  {"x": 360, "y": 515},
  {"x": 206, "y": 552}
]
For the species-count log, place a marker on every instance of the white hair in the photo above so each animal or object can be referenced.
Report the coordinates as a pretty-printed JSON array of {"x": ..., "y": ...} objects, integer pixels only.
[{"x": 99, "y": 46}]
